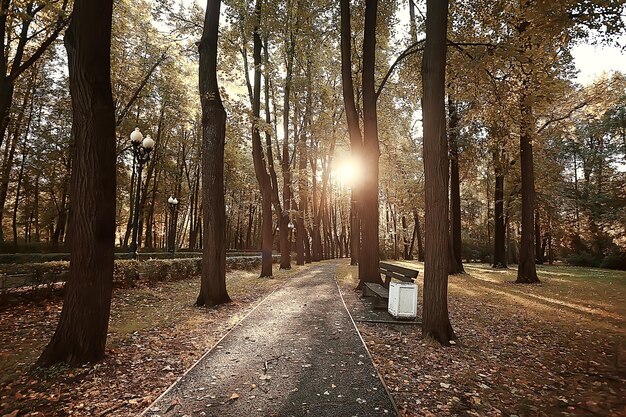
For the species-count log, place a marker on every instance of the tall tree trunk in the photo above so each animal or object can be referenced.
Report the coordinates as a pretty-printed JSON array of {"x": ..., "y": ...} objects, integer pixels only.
[
  {"x": 315, "y": 229},
  {"x": 7, "y": 89},
  {"x": 418, "y": 234},
  {"x": 213, "y": 279},
  {"x": 36, "y": 210},
  {"x": 368, "y": 213},
  {"x": 9, "y": 151},
  {"x": 526, "y": 271},
  {"x": 21, "y": 173},
  {"x": 249, "y": 232},
  {"x": 301, "y": 232},
  {"x": 193, "y": 232},
  {"x": 576, "y": 196},
  {"x": 499, "y": 247},
  {"x": 352, "y": 117},
  {"x": 285, "y": 255},
  {"x": 456, "y": 262},
  {"x": 436, "y": 323},
  {"x": 62, "y": 219},
  {"x": 282, "y": 213},
  {"x": 131, "y": 207},
  {"x": 81, "y": 334},
  {"x": 18, "y": 187},
  {"x": 260, "y": 167},
  {"x": 406, "y": 244},
  {"x": 22, "y": 27},
  {"x": 539, "y": 249}
]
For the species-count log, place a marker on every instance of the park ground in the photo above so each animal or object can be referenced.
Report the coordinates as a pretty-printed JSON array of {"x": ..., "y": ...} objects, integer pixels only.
[{"x": 551, "y": 349}]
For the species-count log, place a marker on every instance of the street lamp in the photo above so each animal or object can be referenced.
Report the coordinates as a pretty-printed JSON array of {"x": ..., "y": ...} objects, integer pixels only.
[
  {"x": 173, "y": 203},
  {"x": 141, "y": 155}
]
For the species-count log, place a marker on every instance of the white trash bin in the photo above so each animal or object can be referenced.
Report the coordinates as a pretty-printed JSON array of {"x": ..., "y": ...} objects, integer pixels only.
[{"x": 402, "y": 300}]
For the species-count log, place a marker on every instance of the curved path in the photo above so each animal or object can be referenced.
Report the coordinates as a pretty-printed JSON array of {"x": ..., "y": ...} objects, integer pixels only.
[{"x": 297, "y": 353}]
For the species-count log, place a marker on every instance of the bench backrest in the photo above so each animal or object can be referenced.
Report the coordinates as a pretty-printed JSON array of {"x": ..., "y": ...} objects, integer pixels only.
[{"x": 398, "y": 272}]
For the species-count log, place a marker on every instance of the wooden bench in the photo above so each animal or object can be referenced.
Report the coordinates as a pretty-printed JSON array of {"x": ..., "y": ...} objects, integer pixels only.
[
  {"x": 381, "y": 292},
  {"x": 398, "y": 272}
]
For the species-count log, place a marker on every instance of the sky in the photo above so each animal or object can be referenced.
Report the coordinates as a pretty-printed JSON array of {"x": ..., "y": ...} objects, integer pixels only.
[{"x": 592, "y": 61}]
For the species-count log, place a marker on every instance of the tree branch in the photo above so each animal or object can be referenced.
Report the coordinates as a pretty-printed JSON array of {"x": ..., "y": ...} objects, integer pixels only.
[
  {"x": 410, "y": 50},
  {"x": 61, "y": 22},
  {"x": 140, "y": 87}
]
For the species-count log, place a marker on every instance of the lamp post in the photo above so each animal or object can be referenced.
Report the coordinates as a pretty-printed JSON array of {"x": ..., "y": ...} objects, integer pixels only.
[
  {"x": 173, "y": 203},
  {"x": 141, "y": 155}
]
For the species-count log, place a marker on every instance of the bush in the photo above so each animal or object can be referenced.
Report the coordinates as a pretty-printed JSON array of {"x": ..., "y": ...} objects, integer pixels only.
[
  {"x": 8, "y": 247},
  {"x": 614, "y": 261},
  {"x": 583, "y": 259},
  {"x": 28, "y": 258},
  {"x": 155, "y": 270},
  {"x": 126, "y": 272},
  {"x": 476, "y": 251}
]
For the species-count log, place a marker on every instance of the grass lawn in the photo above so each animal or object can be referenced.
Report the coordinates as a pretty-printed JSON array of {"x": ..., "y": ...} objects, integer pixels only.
[
  {"x": 155, "y": 334},
  {"x": 556, "y": 348}
]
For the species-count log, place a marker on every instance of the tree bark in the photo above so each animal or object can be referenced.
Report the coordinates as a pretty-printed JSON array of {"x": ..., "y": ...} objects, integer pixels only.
[
  {"x": 10, "y": 74},
  {"x": 9, "y": 152},
  {"x": 213, "y": 279},
  {"x": 436, "y": 323},
  {"x": 260, "y": 167},
  {"x": 417, "y": 233},
  {"x": 456, "y": 261},
  {"x": 499, "y": 248},
  {"x": 301, "y": 231},
  {"x": 352, "y": 117},
  {"x": 18, "y": 188},
  {"x": 368, "y": 213},
  {"x": 526, "y": 271},
  {"x": 80, "y": 336},
  {"x": 282, "y": 213},
  {"x": 21, "y": 174},
  {"x": 285, "y": 162},
  {"x": 539, "y": 249}
]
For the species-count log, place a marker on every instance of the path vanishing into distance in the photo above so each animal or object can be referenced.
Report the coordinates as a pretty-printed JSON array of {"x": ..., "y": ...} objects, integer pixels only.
[{"x": 297, "y": 353}]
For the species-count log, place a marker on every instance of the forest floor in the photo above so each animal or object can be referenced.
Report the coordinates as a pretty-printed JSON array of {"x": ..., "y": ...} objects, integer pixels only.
[
  {"x": 557, "y": 348},
  {"x": 155, "y": 334},
  {"x": 551, "y": 349}
]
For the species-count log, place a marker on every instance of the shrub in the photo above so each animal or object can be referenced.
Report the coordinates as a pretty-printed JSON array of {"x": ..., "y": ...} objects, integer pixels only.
[
  {"x": 126, "y": 272},
  {"x": 476, "y": 251},
  {"x": 24, "y": 258},
  {"x": 583, "y": 259},
  {"x": 31, "y": 247},
  {"x": 614, "y": 261}
]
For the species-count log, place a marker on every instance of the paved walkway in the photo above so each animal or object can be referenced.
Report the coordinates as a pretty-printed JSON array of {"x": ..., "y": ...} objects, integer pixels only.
[{"x": 296, "y": 354}]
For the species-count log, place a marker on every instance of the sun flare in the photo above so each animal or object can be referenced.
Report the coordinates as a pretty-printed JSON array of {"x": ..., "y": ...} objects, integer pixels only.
[{"x": 348, "y": 171}]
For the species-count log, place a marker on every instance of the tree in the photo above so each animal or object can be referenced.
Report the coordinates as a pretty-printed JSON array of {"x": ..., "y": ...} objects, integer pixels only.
[
  {"x": 80, "y": 336},
  {"x": 456, "y": 263},
  {"x": 499, "y": 243},
  {"x": 436, "y": 323},
  {"x": 352, "y": 117},
  {"x": 50, "y": 18},
  {"x": 213, "y": 280},
  {"x": 365, "y": 149},
  {"x": 368, "y": 213},
  {"x": 260, "y": 165}
]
